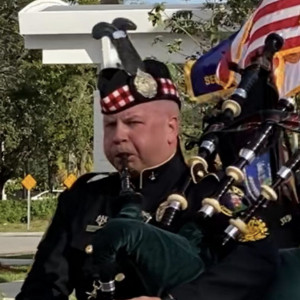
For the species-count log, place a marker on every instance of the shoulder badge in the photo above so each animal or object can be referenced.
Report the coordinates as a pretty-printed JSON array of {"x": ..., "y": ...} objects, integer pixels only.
[{"x": 101, "y": 220}]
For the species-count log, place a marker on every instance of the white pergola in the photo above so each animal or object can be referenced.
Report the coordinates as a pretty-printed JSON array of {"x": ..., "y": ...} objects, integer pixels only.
[{"x": 63, "y": 33}]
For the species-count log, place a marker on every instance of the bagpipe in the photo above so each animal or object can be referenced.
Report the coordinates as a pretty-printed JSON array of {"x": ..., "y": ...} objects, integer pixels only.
[{"x": 165, "y": 259}]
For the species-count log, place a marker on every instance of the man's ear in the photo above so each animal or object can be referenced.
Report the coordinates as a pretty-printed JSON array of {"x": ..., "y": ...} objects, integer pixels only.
[{"x": 173, "y": 129}]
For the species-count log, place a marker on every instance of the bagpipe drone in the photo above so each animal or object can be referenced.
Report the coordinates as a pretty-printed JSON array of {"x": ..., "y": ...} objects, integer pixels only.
[{"x": 158, "y": 267}]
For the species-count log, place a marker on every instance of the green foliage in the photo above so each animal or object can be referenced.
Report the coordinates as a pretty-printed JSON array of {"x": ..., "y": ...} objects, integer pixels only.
[
  {"x": 12, "y": 273},
  {"x": 59, "y": 104},
  {"x": 43, "y": 209},
  {"x": 15, "y": 211},
  {"x": 12, "y": 211},
  {"x": 175, "y": 46},
  {"x": 11, "y": 49},
  {"x": 180, "y": 22},
  {"x": 219, "y": 20},
  {"x": 12, "y": 187},
  {"x": 85, "y": 2},
  {"x": 155, "y": 15},
  {"x": 183, "y": 22},
  {"x": 46, "y": 111},
  {"x": 232, "y": 14},
  {"x": 35, "y": 226}
]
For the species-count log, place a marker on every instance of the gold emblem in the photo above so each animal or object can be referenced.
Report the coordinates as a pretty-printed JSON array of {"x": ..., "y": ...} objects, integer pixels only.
[
  {"x": 145, "y": 84},
  {"x": 256, "y": 230}
]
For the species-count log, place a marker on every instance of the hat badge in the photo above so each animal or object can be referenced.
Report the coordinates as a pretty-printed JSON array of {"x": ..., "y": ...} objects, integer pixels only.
[{"x": 145, "y": 84}]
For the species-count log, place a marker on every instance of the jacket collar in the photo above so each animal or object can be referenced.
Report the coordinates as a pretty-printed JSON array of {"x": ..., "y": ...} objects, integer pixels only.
[
  {"x": 157, "y": 183},
  {"x": 152, "y": 173}
]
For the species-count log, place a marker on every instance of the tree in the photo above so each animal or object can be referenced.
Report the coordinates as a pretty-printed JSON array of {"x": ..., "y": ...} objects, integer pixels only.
[
  {"x": 58, "y": 102},
  {"x": 11, "y": 54},
  {"x": 45, "y": 111}
]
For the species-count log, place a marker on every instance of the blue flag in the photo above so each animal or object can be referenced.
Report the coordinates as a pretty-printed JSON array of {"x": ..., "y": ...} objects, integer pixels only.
[{"x": 200, "y": 74}]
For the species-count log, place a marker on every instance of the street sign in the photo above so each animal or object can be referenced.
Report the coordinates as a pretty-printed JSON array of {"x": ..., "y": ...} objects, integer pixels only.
[
  {"x": 28, "y": 182},
  {"x": 70, "y": 180}
]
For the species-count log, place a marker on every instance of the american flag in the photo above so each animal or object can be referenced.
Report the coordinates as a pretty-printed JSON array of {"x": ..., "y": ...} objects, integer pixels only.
[{"x": 271, "y": 16}]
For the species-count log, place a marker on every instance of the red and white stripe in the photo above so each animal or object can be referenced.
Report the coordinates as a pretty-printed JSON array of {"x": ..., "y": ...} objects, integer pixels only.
[{"x": 271, "y": 16}]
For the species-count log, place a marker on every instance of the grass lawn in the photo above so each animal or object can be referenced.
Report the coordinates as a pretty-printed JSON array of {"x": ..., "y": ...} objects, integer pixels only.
[
  {"x": 16, "y": 273},
  {"x": 12, "y": 273},
  {"x": 35, "y": 226}
]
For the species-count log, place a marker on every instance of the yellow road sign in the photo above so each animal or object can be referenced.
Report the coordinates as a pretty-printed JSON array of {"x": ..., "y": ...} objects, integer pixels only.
[
  {"x": 70, "y": 180},
  {"x": 28, "y": 182}
]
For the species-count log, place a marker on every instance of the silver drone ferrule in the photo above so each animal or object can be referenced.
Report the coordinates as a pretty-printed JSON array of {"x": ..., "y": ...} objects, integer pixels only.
[
  {"x": 284, "y": 172},
  {"x": 208, "y": 145},
  {"x": 175, "y": 204},
  {"x": 207, "y": 210},
  {"x": 232, "y": 231},
  {"x": 247, "y": 154},
  {"x": 107, "y": 287},
  {"x": 241, "y": 93}
]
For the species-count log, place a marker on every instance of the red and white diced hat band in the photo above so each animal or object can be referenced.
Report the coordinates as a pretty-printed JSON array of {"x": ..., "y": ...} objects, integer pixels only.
[{"x": 123, "y": 98}]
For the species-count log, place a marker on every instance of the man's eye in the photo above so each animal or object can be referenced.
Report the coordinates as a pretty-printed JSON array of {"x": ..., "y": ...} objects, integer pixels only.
[{"x": 135, "y": 122}]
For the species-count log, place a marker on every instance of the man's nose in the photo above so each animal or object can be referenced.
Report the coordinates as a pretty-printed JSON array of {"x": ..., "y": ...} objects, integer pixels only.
[{"x": 120, "y": 134}]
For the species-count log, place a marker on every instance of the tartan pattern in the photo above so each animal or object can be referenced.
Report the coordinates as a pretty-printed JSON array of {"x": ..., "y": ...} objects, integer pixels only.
[
  {"x": 167, "y": 87},
  {"x": 122, "y": 97},
  {"x": 119, "y": 98}
]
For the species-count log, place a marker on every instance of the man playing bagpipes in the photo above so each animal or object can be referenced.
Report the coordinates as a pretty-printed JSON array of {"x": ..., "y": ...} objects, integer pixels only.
[{"x": 139, "y": 232}]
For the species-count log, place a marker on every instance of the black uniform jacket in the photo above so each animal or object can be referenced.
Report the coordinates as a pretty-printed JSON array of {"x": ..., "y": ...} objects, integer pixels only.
[{"x": 62, "y": 264}]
